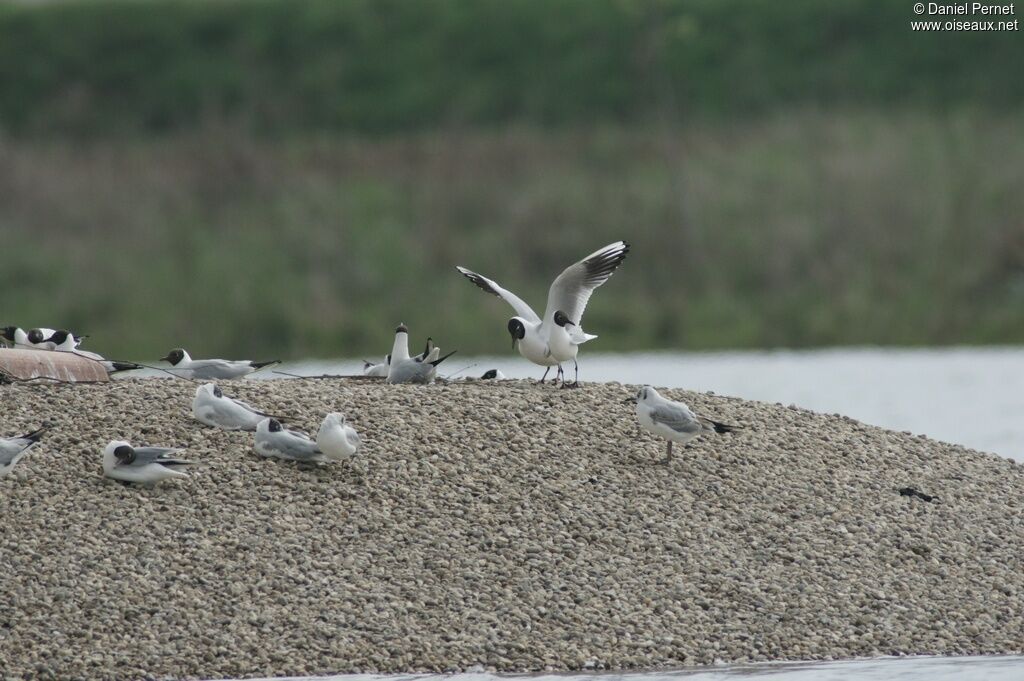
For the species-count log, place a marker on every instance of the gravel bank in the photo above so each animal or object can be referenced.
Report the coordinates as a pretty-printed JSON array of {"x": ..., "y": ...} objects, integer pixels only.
[{"x": 507, "y": 525}]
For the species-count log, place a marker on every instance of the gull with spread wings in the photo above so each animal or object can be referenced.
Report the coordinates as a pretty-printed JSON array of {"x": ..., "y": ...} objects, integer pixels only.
[{"x": 556, "y": 337}]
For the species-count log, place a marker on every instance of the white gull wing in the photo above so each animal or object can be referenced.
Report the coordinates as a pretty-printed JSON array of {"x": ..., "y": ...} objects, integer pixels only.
[
  {"x": 517, "y": 303},
  {"x": 571, "y": 290}
]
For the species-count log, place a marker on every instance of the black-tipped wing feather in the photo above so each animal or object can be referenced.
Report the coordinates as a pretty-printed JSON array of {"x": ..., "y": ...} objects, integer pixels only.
[
  {"x": 161, "y": 455},
  {"x": 571, "y": 291},
  {"x": 719, "y": 427},
  {"x": 517, "y": 303}
]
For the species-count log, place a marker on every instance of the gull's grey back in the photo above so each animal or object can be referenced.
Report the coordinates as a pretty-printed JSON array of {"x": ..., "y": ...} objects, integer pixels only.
[
  {"x": 411, "y": 371},
  {"x": 679, "y": 419},
  {"x": 289, "y": 445},
  {"x": 10, "y": 447},
  {"x": 147, "y": 455},
  {"x": 218, "y": 368}
]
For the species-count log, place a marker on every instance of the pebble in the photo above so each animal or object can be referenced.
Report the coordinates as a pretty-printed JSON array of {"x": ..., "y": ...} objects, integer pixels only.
[{"x": 498, "y": 526}]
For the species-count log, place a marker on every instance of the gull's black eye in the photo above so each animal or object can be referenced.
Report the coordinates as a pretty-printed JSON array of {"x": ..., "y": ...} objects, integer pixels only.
[
  {"x": 217, "y": 392},
  {"x": 275, "y": 426}
]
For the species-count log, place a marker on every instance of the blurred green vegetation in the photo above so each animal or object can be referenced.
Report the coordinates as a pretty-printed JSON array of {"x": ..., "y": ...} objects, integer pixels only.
[
  {"x": 800, "y": 229},
  {"x": 382, "y": 66},
  {"x": 292, "y": 178}
]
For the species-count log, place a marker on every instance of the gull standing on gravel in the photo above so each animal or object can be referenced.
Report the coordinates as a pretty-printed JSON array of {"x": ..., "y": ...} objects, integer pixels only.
[
  {"x": 206, "y": 369},
  {"x": 672, "y": 420},
  {"x": 145, "y": 465},
  {"x": 556, "y": 338},
  {"x": 337, "y": 440},
  {"x": 212, "y": 407},
  {"x": 274, "y": 440},
  {"x": 13, "y": 448}
]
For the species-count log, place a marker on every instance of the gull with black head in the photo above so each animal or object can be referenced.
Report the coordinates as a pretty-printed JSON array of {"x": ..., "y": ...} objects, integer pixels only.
[
  {"x": 144, "y": 465},
  {"x": 210, "y": 369},
  {"x": 420, "y": 369},
  {"x": 15, "y": 337},
  {"x": 64, "y": 341},
  {"x": 556, "y": 337},
  {"x": 275, "y": 441},
  {"x": 212, "y": 407}
]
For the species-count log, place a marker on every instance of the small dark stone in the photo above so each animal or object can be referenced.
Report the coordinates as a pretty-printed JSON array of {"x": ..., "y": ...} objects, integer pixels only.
[{"x": 911, "y": 492}]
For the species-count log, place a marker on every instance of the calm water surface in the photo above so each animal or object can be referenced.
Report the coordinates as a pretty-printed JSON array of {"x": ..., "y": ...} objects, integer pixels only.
[{"x": 992, "y": 668}]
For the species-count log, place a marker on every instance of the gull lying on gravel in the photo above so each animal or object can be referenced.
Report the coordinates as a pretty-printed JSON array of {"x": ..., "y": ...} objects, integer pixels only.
[
  {"x": 146, "y": 465},
  {"x": 672, "y": 420},
  {"x": 337, "y": 441},
  {"x": 556, "y": 338},
  {"x": 212, "y": 407},
  {"x": 419, "y": 369},
  {"x": 65, "y": 341},
  {"x": 16, "y": 337},
  {"x": 187, "y": 367},
  {"x": 13, "y": 448},
  {"x": 380, "y": 370},
  {"x": 415, "y": 370},
  {"x": 44, "y": 339},
  {"x": 493, "y": 374},
  {"x": 273, "y": 440},
  {"x": 402, "y": 341}
]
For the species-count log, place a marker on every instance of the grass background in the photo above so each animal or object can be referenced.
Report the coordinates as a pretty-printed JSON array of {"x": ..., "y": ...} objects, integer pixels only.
[{"x": 294, "y": 178}]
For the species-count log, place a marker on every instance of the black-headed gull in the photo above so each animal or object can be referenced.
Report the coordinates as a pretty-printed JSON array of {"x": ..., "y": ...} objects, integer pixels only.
[
  {"x": 50, "y": 339},
  {"x": 556, "y": 337},
  {"x": 337, "y": 440},
  {"x": 183, "y": 365},
  {"x": 144, "y": 465},
  {"x": 274, "y": 440},
  {"x": 420, "y": 369},
  {"x": 15, "y": 337},
  {"x": 12, "y": 449},
  {"x": 65, "y": 341},
  {"x": 379, "y": 370},
  {"x": 212, "y": 407},
  {"x": 673, "y": 421}
]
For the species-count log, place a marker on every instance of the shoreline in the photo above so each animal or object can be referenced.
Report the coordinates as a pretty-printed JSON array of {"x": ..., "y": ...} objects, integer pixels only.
[{"x": 502, "y": 525}]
